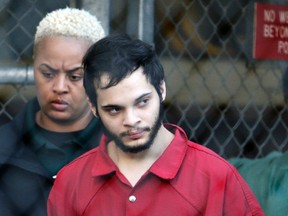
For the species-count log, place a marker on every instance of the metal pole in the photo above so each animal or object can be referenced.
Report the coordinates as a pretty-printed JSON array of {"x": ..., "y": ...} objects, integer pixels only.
[
  {"x": 16, "y": 75},
  {"x": 146, "y": 21},
  {"x": 99, "y": 8},
  {"x": 140, "y": 20}
]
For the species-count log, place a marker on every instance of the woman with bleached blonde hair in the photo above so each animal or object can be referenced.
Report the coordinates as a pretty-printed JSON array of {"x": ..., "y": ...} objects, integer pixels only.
[{"x": 57, "y": 125}]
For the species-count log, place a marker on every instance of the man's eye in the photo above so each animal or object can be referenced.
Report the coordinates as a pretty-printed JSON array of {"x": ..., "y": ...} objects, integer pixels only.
[
  {"x": 143, "y": 102},
  {"x": 113, "y": 111}
]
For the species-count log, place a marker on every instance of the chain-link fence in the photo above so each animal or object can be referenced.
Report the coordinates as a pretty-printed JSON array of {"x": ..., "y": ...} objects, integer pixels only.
[
  {"x": 220, "y": 95},
  {"x": 217, "y": 92},
  {"x": 18, "y": 21}
]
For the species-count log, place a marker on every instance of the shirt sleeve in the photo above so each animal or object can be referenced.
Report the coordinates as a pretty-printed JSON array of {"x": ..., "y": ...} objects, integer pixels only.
[
  {"x": 237, "y": 185},
  {"x": 228, "y": 193}
]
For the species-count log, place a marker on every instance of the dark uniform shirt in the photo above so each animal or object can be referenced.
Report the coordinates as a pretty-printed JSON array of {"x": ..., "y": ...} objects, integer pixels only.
[{"x": 30, "y": 158}]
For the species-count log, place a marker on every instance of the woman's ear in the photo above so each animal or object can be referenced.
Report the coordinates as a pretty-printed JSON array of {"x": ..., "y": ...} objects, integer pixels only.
[{"x": 92, "y": 108}]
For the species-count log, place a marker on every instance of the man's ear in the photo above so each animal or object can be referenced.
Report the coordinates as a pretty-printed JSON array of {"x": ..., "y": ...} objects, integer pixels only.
[
  {"x": 163, "y": 90},
  {"x": 92, "y": 107}
]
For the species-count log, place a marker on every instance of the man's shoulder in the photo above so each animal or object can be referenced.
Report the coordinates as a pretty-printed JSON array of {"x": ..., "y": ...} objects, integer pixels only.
[
  {"x": 208, "y": 158},
  {"x": 77, "y": 170},
  {"x": 85, "y": 160},
  {"x": 202, "y": 150},
  {"x": 86, "y": 156}
]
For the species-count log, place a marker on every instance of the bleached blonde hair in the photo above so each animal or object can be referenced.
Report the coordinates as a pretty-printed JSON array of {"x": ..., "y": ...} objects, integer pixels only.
[{"x": 69, "y": 22}]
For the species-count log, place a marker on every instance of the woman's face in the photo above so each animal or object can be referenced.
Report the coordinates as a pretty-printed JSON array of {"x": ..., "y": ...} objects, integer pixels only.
[{"x": 59, "y": 80}]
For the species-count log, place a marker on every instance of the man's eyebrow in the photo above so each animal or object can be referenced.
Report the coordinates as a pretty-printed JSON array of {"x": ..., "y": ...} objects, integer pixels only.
[
  {"x": 109, "y": 106},
  {"x": 142, "y": 96}
]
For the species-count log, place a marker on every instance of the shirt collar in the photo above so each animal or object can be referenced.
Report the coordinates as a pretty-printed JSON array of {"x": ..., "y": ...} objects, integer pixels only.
[
  {"x": 104, "y": 164},
  {"x": 166, "y": 166}
]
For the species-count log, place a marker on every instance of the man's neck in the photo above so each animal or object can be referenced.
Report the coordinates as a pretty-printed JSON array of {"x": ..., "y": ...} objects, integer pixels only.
[{"x": 134, "y": 165}]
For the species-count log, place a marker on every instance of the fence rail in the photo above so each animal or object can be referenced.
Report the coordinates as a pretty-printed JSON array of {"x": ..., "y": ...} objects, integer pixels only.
[{"x": 16, "y": 75}]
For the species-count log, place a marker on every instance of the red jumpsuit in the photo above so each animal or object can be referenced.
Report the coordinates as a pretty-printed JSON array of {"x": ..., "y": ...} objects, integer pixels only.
[{"x": 187, "y": 179}]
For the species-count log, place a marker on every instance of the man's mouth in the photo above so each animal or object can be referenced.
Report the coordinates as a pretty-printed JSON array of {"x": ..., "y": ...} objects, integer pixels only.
[{"x": 135, "y": 133}]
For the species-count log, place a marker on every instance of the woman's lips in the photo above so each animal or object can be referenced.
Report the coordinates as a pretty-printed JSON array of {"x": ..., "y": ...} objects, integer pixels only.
[{"x": 59, "y": 105}]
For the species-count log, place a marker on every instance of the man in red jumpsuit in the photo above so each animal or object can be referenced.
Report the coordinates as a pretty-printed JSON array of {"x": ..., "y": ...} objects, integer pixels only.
[{"x": 142, "y": 166}]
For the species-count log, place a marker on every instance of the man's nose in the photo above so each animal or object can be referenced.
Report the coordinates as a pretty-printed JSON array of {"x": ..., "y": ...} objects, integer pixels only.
[{"x": 131, "y": 117}]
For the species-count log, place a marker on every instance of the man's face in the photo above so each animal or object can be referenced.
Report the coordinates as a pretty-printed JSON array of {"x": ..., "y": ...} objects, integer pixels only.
[
  {"x": 59, "y": 79},
  {"x": 130, "y": 112}
]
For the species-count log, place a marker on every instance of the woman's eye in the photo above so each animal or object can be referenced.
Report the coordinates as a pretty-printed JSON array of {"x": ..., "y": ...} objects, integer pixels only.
[
  {"x": 75, "y": 77},
  {"x": 47, "y": 74}
]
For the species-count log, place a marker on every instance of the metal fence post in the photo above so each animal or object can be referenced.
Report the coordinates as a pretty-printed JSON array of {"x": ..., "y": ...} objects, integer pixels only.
[
  {"x": 140, "y": 21},
  {"x": 99, "y": 8}
]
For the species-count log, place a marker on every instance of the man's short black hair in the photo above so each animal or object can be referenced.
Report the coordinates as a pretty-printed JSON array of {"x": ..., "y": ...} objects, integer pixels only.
[{"x": 118, "y": 56}]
